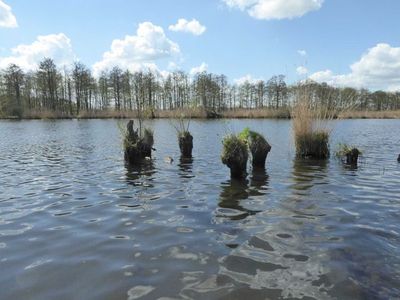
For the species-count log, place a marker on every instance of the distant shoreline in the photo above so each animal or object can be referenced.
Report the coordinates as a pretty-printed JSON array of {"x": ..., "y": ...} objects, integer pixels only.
[{"x": 202, "y": 114}]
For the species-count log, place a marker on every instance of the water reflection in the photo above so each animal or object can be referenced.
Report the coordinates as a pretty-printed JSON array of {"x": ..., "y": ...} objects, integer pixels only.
[
  {"x": 140, "y": 174},
  {"x": 186, "y": 167},
  {"x": 235, "y": 194},
  {"x": 308, "y": 173},
  {"x": 259, "y": 181}
]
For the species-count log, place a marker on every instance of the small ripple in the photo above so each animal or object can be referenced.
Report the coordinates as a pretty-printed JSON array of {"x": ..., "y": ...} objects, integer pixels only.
[{"x": 139, "y": 291}]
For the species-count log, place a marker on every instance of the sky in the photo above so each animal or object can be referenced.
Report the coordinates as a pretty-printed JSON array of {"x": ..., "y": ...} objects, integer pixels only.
[{"x": 342, "y": 42}]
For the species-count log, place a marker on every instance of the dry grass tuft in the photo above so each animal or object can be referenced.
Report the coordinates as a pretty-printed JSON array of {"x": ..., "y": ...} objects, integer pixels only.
[
  {"x": 311, "y": 126},
  {"x": 369, "y": 114}
]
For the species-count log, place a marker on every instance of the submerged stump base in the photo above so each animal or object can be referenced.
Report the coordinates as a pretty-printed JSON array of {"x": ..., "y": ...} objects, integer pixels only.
[
  {"x": 238, "y": 171},
  {"x": 186, "y": 144}
]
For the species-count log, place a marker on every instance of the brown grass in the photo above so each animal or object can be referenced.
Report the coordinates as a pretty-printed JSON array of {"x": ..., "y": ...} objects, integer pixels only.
[
  {"x": 191, "y": 113},
  {"x": 45, "y": 114},
  {"x": 107, "y": 114},
  {"x": 310, "y": 126},
  {"x": 266, "y": 113},
  {"x": 200, "y": 113},
  {"x": 368, "y": 114}
]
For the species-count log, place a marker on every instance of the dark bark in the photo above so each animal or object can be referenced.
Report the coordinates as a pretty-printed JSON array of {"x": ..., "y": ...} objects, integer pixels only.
[{"x": 186, "y": 144}]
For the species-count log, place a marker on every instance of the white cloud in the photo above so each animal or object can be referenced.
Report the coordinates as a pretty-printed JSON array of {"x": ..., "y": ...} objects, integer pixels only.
[
  {"x": 7, "y": 19},
  {"x": 199, "y": 69},
  {"x": 302, "y": 52},
  {"x": 172, "y": 65},
  {"x": 247, "y": 78},
  {"x": 55, "y": 46},
  {"x": 275, "y": 9},
  {"x": 302, "y": 70},
  {"x": 378, "y": 68},
  {"x": 193, "y": 26},
  {"x": 139, "y": 51}
]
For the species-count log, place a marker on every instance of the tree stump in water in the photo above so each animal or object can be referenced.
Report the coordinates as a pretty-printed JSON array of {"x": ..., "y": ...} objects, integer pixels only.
[
  {"x": 259, "y": 149},
  {"x": 398, "y": 158},
  {"x": 137, "y": 148},
  {"x": 235, "y": 155},
  {"x": 352, "y": 156},
  {"x": 258, "y": 146},
  {"x": 185, "y": 144}
]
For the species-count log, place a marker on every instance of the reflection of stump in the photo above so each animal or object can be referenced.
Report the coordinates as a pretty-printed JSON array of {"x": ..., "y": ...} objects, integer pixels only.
[
  {"x": 186, "y": 144},
  {"x": 259, "y": 148},
  {"x": 398, "y": 158},
  {"x": 137, "y": 148},
  {"x": 235, "y": 156},
  {"x": 352, "y": 156}
]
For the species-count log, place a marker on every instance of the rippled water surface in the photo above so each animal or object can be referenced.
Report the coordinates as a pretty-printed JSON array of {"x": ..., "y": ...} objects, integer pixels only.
[{"x": 76, "y": 223}]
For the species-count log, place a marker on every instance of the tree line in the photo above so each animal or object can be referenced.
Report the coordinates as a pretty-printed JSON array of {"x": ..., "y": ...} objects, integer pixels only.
[{"x": 75, "y": 90}]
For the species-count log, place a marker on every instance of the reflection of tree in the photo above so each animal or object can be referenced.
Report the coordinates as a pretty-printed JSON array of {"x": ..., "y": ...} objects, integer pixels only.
[
  {"x": 186, "y": 167},
  {"x": 141, "y": 174}
]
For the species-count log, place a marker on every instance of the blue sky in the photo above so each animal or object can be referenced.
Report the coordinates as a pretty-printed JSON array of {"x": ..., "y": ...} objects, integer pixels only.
[{"x": 346, "y": 42}]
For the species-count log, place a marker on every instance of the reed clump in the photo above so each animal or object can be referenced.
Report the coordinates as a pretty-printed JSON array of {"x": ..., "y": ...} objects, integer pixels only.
[
  {"x": 310, "y": 126},
  {"x": 235, "y": 155},
  {"x": 258, "y": 146}
]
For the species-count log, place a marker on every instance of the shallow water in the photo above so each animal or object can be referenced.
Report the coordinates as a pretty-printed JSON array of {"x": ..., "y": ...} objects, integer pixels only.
[{"x": 76, "y": 223}]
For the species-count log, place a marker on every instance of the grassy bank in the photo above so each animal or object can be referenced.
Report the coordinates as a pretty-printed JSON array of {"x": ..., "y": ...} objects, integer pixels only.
[
  {"x": 199, "y": 113},
  {"x": 367, "y": 114}
]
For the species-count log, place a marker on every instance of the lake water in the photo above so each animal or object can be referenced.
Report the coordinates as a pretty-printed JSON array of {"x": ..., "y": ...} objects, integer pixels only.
[{"x": 76, "y": 223}]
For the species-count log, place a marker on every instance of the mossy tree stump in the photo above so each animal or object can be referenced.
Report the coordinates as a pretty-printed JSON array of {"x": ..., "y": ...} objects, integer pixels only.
[
  {"x": 137, "y": 147},
  {"x": 258, "y": 147},
  {"x": 185, "y": 144},
  {"x": 235, "y": 156}
]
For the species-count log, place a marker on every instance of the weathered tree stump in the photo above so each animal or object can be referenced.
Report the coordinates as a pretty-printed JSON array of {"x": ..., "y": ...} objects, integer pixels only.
[
  {"x": 259, "y": 149},
  {"x": 235, "y": 155},
  {"x": 258, "y": 146},
  {"x": 398, "y": 158},
  {"x": 352, "y": 156},
  {"x": 185, "y": 144},
  {"x": 137, "y": 148}
]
